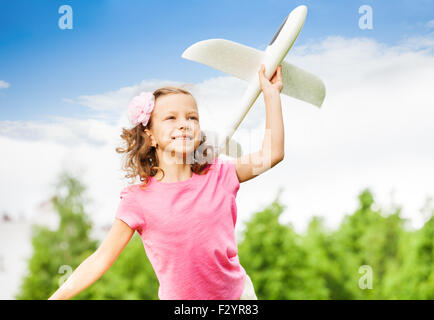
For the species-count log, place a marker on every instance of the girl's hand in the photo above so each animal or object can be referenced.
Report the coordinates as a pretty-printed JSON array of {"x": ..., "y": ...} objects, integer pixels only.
[{"x": 274, "y": 85}]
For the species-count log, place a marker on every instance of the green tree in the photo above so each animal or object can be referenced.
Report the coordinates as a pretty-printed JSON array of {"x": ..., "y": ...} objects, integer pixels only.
[
  {"x": 322, "y": 259},
  {"x": 326, "y": 265},
  {"x": 413, "y": 278},
  {"x": 368, "y": 237},
  {"x": 130, "y": 277},
  {"x": 275, "y": 260},
  {"x": 55, "y": 253}
]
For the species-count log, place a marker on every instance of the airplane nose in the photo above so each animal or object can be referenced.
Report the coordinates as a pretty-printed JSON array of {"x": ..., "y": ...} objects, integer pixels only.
[
  {"x": 299, "y": 11},
  {"x": 278, "y": 31}
]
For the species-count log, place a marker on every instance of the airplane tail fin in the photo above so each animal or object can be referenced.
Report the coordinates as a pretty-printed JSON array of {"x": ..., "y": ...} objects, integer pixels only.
[{"x": 302, "y": 85}]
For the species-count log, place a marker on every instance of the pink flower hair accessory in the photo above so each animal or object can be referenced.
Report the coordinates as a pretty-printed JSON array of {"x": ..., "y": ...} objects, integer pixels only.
[{"x": 140, "y": 108}]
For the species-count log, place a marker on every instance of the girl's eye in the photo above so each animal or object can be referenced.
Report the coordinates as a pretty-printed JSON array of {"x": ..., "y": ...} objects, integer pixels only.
[{"x": 172, "y": 117}]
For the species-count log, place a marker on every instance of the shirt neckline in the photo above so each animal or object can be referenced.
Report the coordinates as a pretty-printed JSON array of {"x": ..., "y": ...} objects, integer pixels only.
[{"x": 175, "y": 183}]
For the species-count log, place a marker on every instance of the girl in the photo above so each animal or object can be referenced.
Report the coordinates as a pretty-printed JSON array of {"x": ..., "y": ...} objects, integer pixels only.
[{"x": 184, "y": 209}]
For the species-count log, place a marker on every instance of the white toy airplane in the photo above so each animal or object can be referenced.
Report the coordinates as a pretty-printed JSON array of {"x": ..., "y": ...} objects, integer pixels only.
[{"x": 244, "y": 62}]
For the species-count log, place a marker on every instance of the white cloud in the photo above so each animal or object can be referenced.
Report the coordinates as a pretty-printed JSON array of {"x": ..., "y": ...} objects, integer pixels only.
[
  {"x": 117, "y": 100},
  {"x": 4, "y": 84},
  {"x": 375, "y": 129},
  {"x": 63, "y": 131},
  {"x": 430, "y": 24}
]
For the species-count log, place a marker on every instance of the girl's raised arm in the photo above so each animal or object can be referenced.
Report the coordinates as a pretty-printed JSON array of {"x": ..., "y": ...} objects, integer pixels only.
[
  {"x": 94, "y": 266},
  {"x": 251, "y": 165}
]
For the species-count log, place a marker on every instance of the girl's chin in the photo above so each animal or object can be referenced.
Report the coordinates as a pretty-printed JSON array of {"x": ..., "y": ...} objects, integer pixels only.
[
  {"x": 180, "y": 151},
  {"x": 182, "y": 146},
  {"x": 182, "y": 156}
]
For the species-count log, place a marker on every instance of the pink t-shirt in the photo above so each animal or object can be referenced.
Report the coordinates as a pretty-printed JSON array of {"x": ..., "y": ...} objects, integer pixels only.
[{"x": 188, "y": 232}]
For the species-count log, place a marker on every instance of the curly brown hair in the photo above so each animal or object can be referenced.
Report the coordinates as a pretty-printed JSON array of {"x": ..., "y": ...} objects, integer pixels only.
[{"x": 141, "y": 157}]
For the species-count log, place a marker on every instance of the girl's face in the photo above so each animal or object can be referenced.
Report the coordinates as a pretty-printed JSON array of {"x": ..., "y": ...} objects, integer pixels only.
[{"x": 175, "y": 115}]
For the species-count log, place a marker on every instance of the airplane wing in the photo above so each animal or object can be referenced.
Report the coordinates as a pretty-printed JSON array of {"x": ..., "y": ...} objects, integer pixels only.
[{"x": 244, "y": 62}]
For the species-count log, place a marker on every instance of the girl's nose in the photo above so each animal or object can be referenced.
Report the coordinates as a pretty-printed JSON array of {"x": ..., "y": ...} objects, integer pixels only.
[{"x": 184, "y": 125}]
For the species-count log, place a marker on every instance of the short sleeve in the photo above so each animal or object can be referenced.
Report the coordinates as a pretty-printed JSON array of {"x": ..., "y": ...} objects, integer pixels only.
[
  {"x": 129, "y": 210},
  {"x": 228, "y": 174}
]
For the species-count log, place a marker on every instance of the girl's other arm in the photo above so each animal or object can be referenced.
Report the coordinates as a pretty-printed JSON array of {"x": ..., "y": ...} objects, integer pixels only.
[
  {"x": 94, "y": 266},
  {"x": 272, "y": 151}
]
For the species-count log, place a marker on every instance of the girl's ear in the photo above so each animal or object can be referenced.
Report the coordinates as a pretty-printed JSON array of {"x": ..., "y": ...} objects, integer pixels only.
[{"x": 148, "y": 132}]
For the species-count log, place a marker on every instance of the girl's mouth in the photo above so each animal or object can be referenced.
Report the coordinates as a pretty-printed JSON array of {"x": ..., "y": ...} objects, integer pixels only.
[{"x": 184, "y": 138}]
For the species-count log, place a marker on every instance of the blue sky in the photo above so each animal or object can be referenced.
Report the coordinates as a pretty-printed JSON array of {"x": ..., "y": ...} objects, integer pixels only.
[{"x": 114, "y": 44}]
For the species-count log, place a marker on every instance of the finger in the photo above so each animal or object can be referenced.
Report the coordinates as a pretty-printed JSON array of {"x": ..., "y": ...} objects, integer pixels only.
[
  {"x": 262, "y": 72},
  {"x": 277, "y": 76}
]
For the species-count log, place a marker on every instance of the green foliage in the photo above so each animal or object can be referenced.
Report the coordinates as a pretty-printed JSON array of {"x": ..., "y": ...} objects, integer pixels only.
[
  {"x": 318, "y": 264},
  {"x": 333, "y": 265},
  {"x": 275, "y": 259},
  {"x": 67, "y": 246},
  {"x": 367, "y": 238},
  {"x": 130, "y": 277},
  {"x": 413, "y": 279}
]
